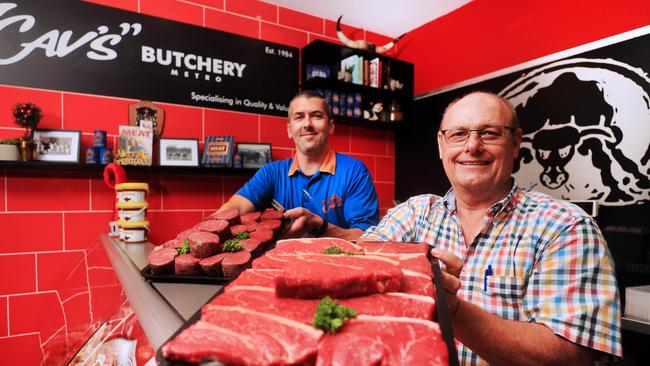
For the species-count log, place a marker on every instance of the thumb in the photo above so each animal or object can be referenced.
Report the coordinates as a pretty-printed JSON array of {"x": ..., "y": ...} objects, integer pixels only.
[{"x": 453, "y": 264}]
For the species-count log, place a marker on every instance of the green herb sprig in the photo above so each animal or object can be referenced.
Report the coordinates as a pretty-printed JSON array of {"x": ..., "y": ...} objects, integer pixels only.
[
  {"x": 184, "y": 248},
  {"x": 242, "y": 236},
  {"x": 337, "y": 250},
  {"x": 330, "y": 315},
  {"x": 232, "y": 245}
]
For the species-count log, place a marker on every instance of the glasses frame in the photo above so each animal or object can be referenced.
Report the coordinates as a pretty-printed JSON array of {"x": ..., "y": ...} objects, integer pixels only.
[{"x": 478, "y": 131}]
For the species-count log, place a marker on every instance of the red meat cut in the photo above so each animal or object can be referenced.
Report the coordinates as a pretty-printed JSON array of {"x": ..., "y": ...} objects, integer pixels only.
[
  {"x": 204, "y": 244},
  {"x": 231, "y": 215},
  {"x": 272, "y": 215},
  {"x": 250, "y": 217},
  {"x": 186, "y": 265},
  {"x": 251, "y": 226},
  {"x": 219, "y": 227},
  {"x": 236, "y": 229},
  {"x": 212, "y": 265},
  {"x": 311, "y": 276},
  {"x": 264, "y": 235},
  {"x": 233, "y": 335},
  {"x": 314, "y": 245},
  {"x": 273, "y": 225},
  {"x": 250, "y": 244},
  {"x": 233, "y": 263},
  {"x": 161, "y": 260},
  {"x": 384, "y": 340}
]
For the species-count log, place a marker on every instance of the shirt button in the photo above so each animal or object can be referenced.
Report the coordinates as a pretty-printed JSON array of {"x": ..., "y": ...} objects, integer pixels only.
[{"x": 464, "y": 271}]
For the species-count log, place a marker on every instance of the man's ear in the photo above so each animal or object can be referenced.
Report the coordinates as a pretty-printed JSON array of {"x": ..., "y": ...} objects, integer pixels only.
[
  {"x": 440, "y": 141},
  {"x": 331, "y": 126},
  {"x": 516, "y": 140},
  {"x": 289, "y": 130}
]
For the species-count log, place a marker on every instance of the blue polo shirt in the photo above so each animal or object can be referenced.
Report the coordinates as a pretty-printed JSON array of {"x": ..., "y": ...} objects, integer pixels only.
[{"x": 342, "y": 190}]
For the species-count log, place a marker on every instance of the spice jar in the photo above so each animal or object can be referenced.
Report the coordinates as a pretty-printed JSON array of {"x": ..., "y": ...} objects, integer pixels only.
[
  {"x": 132, "y": 211},
  {"x": 132, "y": 192},
  {"x": 133, "y": 231}
]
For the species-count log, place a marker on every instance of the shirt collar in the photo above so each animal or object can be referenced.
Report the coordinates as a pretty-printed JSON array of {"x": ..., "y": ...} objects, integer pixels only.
[
  {"x": 327, "y": 166},
  {"x": 508, "y": 202}
]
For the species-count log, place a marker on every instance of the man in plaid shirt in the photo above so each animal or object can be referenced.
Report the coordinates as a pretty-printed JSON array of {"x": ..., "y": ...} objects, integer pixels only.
[{"x": 529, "y": 278}]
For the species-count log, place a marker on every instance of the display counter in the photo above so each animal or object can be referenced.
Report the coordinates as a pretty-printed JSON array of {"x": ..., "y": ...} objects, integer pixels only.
[{"x": 161, "y": 308}]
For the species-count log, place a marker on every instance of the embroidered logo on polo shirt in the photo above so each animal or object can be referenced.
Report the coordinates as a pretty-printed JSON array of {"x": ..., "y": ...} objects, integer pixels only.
[{"x": 331, "y": 203}]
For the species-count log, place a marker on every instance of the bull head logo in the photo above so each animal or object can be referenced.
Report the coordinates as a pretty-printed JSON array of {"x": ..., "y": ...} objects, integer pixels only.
[
  {"x": 586, "y": 130},
  {"x": 364, "y": 45}
]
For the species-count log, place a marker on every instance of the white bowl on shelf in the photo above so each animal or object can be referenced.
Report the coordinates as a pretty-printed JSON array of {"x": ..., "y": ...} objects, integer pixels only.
[{"x": 8, "y": 152}]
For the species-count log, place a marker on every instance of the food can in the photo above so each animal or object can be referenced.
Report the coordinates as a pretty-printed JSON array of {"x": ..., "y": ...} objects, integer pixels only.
[
  {"x": 133, "y": 231},
  {"x": 132, "y": 211},
  {"x": 91, "y": 155},
  {"x": 99, "y": 138},
  {"x": 132, "y": 192},
  {"x": 105, "y": 155}
]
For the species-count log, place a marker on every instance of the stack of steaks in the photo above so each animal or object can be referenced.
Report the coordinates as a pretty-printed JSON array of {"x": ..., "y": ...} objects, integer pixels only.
[{"x": 264, "y": 316}]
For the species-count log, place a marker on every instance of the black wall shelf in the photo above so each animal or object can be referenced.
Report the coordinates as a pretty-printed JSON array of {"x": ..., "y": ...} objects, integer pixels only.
[{"x": 31, "y": 166}]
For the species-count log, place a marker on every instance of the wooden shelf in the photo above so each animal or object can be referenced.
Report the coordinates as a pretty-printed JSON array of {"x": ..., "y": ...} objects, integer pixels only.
[{"x": 81, "y": 167}]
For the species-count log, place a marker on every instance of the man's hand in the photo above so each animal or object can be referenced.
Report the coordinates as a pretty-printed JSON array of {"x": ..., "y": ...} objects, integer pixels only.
[
  {"x": 300, "y": 222},
  {"x": 451, "y": 274}
]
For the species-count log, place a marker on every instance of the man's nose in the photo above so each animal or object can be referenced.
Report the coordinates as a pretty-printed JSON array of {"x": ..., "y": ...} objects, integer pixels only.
[{"x": 473, "y": 142}]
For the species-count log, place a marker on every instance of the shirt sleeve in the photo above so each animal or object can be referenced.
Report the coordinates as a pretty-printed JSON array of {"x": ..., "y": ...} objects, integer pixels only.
[
  {"x": 259, "y": 189},
  {"x": 573, "y": 289},
  {"x": 361, "y": 208},
  {"x": 397, "y": 225}
]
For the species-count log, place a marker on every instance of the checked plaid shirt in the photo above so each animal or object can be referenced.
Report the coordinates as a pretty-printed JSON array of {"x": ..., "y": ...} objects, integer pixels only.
[{"x": 550, "y": 263}]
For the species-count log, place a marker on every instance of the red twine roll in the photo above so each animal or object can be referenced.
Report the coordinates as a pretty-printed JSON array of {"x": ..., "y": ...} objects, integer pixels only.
[{"x": 114, "y": 174}]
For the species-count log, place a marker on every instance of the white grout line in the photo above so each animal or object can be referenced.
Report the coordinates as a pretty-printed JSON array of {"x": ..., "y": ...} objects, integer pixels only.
[
  {"x": 63, "y": 229},
  {"x": 90, "y": 305},
  {"x": 7, "y": 311},
  {"x": 5, "y": 195},
  {"x": 35, "y": 270},
  {"x": 41, "y": 252}
]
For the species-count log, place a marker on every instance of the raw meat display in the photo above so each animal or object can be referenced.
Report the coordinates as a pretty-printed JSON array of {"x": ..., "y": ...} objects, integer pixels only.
[
  {"x": 205, "y": 241},
  {"x": 255, "y": 322}
]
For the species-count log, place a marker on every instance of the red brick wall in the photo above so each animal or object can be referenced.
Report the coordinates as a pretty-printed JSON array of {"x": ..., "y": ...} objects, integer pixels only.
[{"x": 55, "y": 278}]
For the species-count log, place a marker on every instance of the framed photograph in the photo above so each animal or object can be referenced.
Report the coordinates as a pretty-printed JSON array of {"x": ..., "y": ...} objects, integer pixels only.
[
  {"x": 57, "y": 145},
  {"x": 179, "y": 152},
  {"x": 254, "y": 155}
]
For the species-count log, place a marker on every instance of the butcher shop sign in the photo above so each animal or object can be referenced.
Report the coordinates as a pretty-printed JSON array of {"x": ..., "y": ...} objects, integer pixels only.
[{"x": 72, "y": 45}]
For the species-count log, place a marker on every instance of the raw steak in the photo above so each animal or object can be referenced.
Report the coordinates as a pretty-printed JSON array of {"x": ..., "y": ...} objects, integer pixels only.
[
  {"x": 393, "y": 247},
  {"x": 231, "y": 215},
  {"x": 272, "y": 215},
  {"x": 204, "y": 244},
  {"x": 250, "y": 217},
  {"x": 182, "y": 236},
  {"x": 186, "y": 265},
  {"x": 235, "y": 262},
  {"x": 161, "y": 260},
  {"x": 236, "y": 229},
  {"x": 251, "y": 226},
  {"x": 212, "y": 265},
  {"x": 233, "y": 335},
  {"x": 263, "y": 235},
  {"x": 384, "y": 340},
  {"x": 315, "y": 245},
  {"x": 173, "y": 243},
  {"x": 273, "y": 225},
  {"x": 219, "y": 227},
  {"x": 312, "y": 276},
  {"x": 250, "y": 244}
]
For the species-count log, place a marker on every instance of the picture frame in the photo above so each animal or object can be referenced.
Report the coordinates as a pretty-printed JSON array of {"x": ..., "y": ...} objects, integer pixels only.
[
  {"x": 57, "y": 145},
  {"x": 254, "y": 155},
  {"x": 179, "y": 152}
]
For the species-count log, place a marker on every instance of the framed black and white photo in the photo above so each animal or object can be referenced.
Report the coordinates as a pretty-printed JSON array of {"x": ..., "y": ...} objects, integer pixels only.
[
  {"x": 179, "y": 152},
  {"x": 254, "y": 155},
  {"x": 57, "y": 145}
]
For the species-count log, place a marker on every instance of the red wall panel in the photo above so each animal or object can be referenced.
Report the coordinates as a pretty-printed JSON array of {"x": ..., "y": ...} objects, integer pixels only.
[{"x": 55, "y": 255}]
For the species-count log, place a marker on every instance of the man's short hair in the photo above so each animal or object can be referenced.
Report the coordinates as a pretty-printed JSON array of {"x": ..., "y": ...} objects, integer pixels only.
[
  {"x": 514, "y": 120},
  {"x": 312, "y": 94}
]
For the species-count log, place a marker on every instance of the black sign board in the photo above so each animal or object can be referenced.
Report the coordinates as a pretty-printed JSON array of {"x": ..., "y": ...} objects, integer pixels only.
[{"x": 75, "y": 46}]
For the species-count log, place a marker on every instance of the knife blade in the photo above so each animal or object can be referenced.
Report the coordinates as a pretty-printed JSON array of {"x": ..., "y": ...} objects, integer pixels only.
[{"x": 442, "y": 311}]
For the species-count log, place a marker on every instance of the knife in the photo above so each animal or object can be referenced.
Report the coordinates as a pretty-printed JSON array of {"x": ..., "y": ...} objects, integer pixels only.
[{"x": 442, "y": 315}]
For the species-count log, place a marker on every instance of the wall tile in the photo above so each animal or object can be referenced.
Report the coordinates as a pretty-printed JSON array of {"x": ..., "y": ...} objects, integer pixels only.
[
  {"x": 231, "y": 23},
  {"x": 231, "y": 185},
  {"x": 64, "y": 272},
  {"x": 19, "y": 272},
  {"x": 390, "y": 143},
  {"x": 283, "y": 35},
  {"x": 182, "y": 121},
  {"x": 55, "y": 349},
  {"x": 82, "y": 229},
  {"x": 173, "y": 10},
  {"x": 385, "y": 169},
  {"x": 102, "y": 276},
  {"x": 368, "y": 141},
  {"x": 3, "y": 319},
  {"x": 21, "y": 350},
  {"x": 131, "y": 5},
  {"x": 274, "y": 130},
  {"x": 48, "y": 101},
  {"x": 96, "y": 257},
  {"x": 243, "y": 126},
  {"x": 49, "y": 235},
  {"x": 63, "y": 191},
  {"x": 77, "y": 310},
  {"x": 312, "y": 37},
  {"x": 13, "y": 132},
  {"x": 101, "y": 197},
  {"x": 191, "y": 192},
  {"x": 351, "y": 32},
  {"x": 40, "y": 312},
  {"x": 379, "y": 40},
  {"x": 282, "y": 154},
  {"x": 154, "y": 198},
  {"x": 166, "y": 225},
  {"x": 219, "y": 4},
  {"x": 88, "y": 113},
  {"x": 296, "y": 19},
  {"x": 2, "y": 192},
  {"x": 386, "y": 193},
  {"x": 369, "y": 162},
  {"x": 340, "y": 141},
  {"x": 254, "y": 8}
]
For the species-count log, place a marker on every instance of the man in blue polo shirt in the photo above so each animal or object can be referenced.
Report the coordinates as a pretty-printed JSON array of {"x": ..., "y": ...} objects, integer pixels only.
[{"x": 325, "y": 193}]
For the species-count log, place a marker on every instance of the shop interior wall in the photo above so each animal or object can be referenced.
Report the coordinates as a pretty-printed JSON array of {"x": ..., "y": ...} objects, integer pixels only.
[{"x": 56, "y": 279}]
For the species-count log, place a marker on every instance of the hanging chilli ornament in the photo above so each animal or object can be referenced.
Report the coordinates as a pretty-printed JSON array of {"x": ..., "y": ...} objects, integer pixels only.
[{"x": 28, "y": 116}]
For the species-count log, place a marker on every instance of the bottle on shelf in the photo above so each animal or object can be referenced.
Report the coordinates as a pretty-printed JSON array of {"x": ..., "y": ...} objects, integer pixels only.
[{"x": 395, "y": 113}]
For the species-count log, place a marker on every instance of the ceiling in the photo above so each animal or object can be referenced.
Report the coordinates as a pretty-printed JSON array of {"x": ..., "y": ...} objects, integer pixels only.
[{"x": 387, "y": 17}]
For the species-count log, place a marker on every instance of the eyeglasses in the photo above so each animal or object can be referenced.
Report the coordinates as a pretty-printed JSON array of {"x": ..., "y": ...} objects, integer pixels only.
[{"x": 487, "y": 134}]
